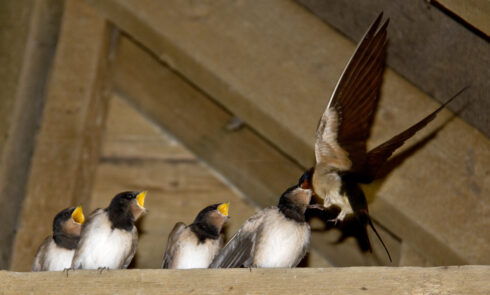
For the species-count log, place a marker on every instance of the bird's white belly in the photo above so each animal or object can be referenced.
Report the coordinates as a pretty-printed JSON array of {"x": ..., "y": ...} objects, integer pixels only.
[
  {"x": 58, "y": 258},
  {"x": 106, "y": 247},
  {"x": 193, "y": 255},
  {"x": 282, "y": 244}
]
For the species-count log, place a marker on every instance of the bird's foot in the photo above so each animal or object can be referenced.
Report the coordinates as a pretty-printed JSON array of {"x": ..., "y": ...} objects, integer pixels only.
[
  {"x": 101, "y": 269},
  {"x": 317, "y": 207},
  {"x": 67, "y": 270}
]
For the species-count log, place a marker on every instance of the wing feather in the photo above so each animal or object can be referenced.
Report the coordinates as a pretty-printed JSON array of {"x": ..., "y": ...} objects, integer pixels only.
[
  {"x": 172, "y": 244},
  {"x": 378, "y": 156},
  {"x": 239, "y": 251},
  {"x": 132, "y": 251},
  {"x": 38, "y": 263},
  {"x": 345, "y": 124}
]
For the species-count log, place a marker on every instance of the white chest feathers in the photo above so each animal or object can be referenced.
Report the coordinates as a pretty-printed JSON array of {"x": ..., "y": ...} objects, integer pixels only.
[
  {"x": 192, "y": 254},
  {"x": 101, "y": 246},
  {"x": 57, "y": 258},
  {"x": 282, "y": 243}
]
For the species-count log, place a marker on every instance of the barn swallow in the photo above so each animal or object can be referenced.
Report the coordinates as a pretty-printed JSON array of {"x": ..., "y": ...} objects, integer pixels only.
[
  {"x": 56, "y": 251},
  {"x": 196, "y": 245},
  {"x": 342, "y": 159},
  {"x": 277, "y": 236},
  {"x": 109, "y": 237}
]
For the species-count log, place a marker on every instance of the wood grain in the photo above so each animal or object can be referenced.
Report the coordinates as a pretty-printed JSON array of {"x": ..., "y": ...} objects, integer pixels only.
[
  {"x": 354, "y": 280},
  {"x": 28, "y": 35}
]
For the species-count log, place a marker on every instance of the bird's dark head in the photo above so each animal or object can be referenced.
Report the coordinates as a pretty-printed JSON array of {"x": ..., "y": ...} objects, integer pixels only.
[
  {"x": 67, "y": 226},
  {"x": 125, "y": 208},
  {"x": 295, "y": 200},
  {"x": 210, "y": 221},
  {"x": 69, "y": 221}
]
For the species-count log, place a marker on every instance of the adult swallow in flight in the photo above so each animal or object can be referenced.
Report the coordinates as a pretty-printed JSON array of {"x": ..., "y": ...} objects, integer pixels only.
[
  {"x": 109, "y": 237},
  {"x": 56, "y": 251},
  {"x": 196, "y": 245},
  {"x": 342, "y": 159}
]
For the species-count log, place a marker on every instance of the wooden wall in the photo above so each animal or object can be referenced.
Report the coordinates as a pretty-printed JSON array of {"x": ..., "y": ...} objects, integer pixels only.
[
  {"x": 120, "y": 107},
  {"x": 28, "y": 36}
]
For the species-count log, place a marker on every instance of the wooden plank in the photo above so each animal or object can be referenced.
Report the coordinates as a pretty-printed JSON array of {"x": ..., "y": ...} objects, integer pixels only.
[
  {"x": 28, "y": 35},
  {"x": 244, "y": 55},
  {"x": 67, "y": 145},
  {"x": 474, "y": 12},
  {"x": 251, "y": 165},
  {"x": 353, "y": 280},
  {"x": 426, "y": 46}
]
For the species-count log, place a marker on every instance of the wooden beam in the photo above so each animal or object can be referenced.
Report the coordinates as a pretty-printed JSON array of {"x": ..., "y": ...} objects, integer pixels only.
[
  {"x": 201, "y": 125},
  {"x": 249, "y": 163},
  {"x": 28, "y": 35},
  {"x": 67, "y": 145},
  {"x": 354, "y": 280},
  {"x": 426, "y": 46},
  {"x": 257, "y": 66},
  {"x": 474, "y": 12}
]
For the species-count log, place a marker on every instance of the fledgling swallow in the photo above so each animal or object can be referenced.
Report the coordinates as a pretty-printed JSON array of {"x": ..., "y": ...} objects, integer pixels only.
[
  {"x": 277, "y": 236},
  {"x": 342, "y": 159},
  {"x": 196, "y": 245},
  {"x": 109, "y": 237},
  {"x": 56, "y": 251}
]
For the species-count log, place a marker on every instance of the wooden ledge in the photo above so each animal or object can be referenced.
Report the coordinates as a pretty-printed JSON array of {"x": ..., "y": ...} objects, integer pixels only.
[{"x": 352, "y": 280}]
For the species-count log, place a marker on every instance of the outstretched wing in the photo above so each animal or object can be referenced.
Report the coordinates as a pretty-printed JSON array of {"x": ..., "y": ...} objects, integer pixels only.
[
  {"x": 378, "y": 156},
  {"x": 239, "y": 251},
  {"x": 172, "y": 244},
  {"x": 38, "y": 263},
  {"x": 345, "y": 125}
]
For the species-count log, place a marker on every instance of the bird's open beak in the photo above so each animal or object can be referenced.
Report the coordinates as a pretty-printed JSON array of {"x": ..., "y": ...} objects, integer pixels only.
[
  {"x": 223, "y": 208},
  {"x": 141, "y": 199},
  {"x": 78, "y": 216},
  {"x": 305, "y": 184}
]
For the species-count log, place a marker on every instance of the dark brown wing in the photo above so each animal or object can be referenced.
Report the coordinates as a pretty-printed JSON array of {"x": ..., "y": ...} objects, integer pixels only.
[
  {"x": 239, "y": 251},
  {"x": 347, "y": 119},
  {"x": 38, "y": 263},
  {"x": 171, "y": 244},
  {"x": 132, "y": 251},
  {"x": 378, "y": 156}
]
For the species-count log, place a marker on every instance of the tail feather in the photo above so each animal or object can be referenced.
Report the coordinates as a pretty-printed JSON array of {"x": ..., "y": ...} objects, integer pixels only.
[{"x": 379, "y": 237}]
